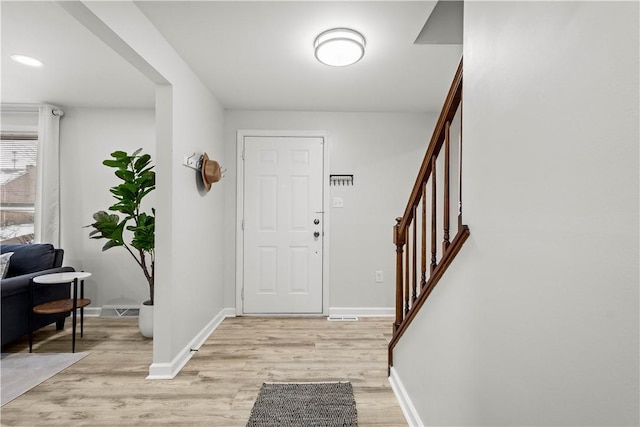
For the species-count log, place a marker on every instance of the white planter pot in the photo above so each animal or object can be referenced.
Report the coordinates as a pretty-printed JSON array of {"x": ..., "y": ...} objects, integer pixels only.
[{"x": 145, "y": 320}]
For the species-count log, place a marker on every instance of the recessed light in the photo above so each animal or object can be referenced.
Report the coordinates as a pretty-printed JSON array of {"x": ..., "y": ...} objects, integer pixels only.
[
  {"x": 339, "y": 47},
  {"x": 27, "y": 60}
]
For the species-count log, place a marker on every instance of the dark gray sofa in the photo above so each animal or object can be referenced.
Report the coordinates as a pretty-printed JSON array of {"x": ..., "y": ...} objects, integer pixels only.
[{"x": 28, "y": 261}]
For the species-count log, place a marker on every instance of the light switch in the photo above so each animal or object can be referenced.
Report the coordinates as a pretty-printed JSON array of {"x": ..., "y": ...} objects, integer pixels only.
[
  {"x": 379, "y": 276},
  {"x": 338, "y": 202}
]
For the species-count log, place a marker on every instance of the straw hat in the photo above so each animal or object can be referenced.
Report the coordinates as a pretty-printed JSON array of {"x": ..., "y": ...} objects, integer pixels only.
[{"x": 210, "y": 170}]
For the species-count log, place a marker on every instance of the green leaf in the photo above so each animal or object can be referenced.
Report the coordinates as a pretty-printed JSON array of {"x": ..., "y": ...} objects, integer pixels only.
[
  {"x": 148, "y": 179},
  {"x": 111, "y": 244},
  {"x": 108, "y": 226},
  {"x": 119, "y": 155},
  {"x": 146, "y": 170},
  {"x": 127, "y": 208},
  {"x": 115, "y": 164},
  {"x": 125, "y": 175},
  {"x": 142, "y": 162},
  {"x": 125, "y": 190},
  {"x": 104, "y": 216},
  {"x": 143, "y": 237},
  {"x": 135, "y": 153}
]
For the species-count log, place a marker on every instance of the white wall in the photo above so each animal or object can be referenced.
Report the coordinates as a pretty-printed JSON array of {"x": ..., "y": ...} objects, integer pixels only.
[
  {"x": 87, "y": 137},
  {"x": 536, "y": 323},
  {"x": 189, "y": 222},
  {"x": 383, "y": 152}
]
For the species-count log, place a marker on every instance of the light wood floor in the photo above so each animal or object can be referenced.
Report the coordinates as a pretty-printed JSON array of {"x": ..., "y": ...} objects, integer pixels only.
[{"x": 219, "y": 384}]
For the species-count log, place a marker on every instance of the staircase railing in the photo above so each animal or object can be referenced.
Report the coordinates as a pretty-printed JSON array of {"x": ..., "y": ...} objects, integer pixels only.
[{"x": 433, "y": 188}]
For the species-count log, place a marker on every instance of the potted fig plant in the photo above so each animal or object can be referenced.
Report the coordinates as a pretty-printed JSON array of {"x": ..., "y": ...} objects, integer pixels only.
[{"x": 135, "y": 231}]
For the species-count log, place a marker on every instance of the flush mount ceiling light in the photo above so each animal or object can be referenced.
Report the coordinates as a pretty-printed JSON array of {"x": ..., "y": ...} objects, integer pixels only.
[
  {"x": 27, "y": 60},
  {"x": 339, "y": 47}
]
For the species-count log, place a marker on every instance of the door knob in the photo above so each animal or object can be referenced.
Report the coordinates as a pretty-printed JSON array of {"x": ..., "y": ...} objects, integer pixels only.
[
  {"x": 316, "y": 234},
  {"x": 316, "y": 221}
]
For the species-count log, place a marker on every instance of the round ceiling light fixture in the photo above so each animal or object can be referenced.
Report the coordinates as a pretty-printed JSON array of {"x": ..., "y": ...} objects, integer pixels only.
[
  {"x": 339, "y": 47},
  {"x": 27, "y": 60}
]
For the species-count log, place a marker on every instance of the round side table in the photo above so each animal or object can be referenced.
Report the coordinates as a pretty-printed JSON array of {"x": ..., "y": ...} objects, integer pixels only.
[{"x": 61, "y": 305}]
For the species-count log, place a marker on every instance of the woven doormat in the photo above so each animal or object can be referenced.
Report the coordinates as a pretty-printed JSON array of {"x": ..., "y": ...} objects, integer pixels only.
[{"x": 304, "y": 404}]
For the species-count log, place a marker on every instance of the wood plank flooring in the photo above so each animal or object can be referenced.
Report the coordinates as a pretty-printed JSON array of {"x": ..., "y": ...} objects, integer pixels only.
[{"x": 219, "y": 384}]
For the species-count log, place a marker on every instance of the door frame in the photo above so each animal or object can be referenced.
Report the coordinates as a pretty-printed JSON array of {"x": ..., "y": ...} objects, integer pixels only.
[{"x": 240, "y": 135}]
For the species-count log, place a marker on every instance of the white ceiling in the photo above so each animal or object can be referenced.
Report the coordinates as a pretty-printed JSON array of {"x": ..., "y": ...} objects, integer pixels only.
[
  {"x": 79, "y": 70},
  {"x": 252, "y": 55}
]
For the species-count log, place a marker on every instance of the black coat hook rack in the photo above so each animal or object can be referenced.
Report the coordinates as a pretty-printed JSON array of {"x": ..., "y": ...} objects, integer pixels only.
[{"x": 340, "y": 179}]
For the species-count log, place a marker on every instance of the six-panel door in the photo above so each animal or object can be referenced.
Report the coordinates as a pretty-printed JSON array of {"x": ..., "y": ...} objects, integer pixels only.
[{"x": 283, "y": 225}]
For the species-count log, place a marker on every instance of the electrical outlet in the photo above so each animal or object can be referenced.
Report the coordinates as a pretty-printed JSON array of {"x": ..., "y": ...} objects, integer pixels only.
[
  {"x": 338, "y": 202},
  {"x": 379, "y": 276}
]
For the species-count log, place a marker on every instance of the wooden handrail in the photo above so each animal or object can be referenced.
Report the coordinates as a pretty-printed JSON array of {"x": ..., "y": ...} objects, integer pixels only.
[
  {"x": 410, "y": 297},
  {"x": 447, "y": 114}
]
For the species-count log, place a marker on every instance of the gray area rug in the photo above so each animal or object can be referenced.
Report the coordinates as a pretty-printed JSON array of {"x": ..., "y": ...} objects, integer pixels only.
[
  {"x": 20, "y": 372},
  {"x": 304, "y": 404}
]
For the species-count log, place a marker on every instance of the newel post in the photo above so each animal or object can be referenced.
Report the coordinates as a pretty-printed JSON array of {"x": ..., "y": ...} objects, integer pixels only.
[{"x": 399, "y": 241}]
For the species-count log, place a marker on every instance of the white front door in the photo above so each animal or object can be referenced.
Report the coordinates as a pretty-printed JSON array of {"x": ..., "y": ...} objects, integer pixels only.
[{"x": 283, "y": 225}]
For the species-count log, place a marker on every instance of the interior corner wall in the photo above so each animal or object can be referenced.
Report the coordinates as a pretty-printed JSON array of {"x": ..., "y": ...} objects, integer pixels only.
[
  {"x": 87, "y": 137},
  {"x": 536, "y": 322},
  {"x": 383, "y": 151},
  {"x": 189, "y": 291}
]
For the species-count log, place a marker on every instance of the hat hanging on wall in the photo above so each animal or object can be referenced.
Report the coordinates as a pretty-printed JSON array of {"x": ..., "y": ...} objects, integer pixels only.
[{"x": 210, "y": 170}]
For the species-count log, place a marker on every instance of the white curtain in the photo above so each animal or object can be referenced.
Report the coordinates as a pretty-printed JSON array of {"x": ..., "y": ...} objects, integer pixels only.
[{"x": 47, "y": 206}]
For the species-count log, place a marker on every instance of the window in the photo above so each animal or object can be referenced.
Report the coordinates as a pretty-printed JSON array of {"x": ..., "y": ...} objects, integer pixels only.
[{"x": 18, "y": 157}]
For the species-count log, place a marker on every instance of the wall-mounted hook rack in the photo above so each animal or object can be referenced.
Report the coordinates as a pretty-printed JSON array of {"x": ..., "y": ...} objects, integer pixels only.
[
  {"x": 209, "y": 170},
  {"x": 191, "y": 162},
  {"x": 340, "y": 179}
]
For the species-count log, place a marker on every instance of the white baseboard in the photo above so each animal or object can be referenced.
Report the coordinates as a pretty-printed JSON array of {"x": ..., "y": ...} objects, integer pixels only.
[
  {"x": 92, "y": 311},
  {"x": 362, "y": 311},
  {"x": 121, "y": 306},
  {"x": 167, "y": 371},
  {"x": 409, "y": 411}
]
